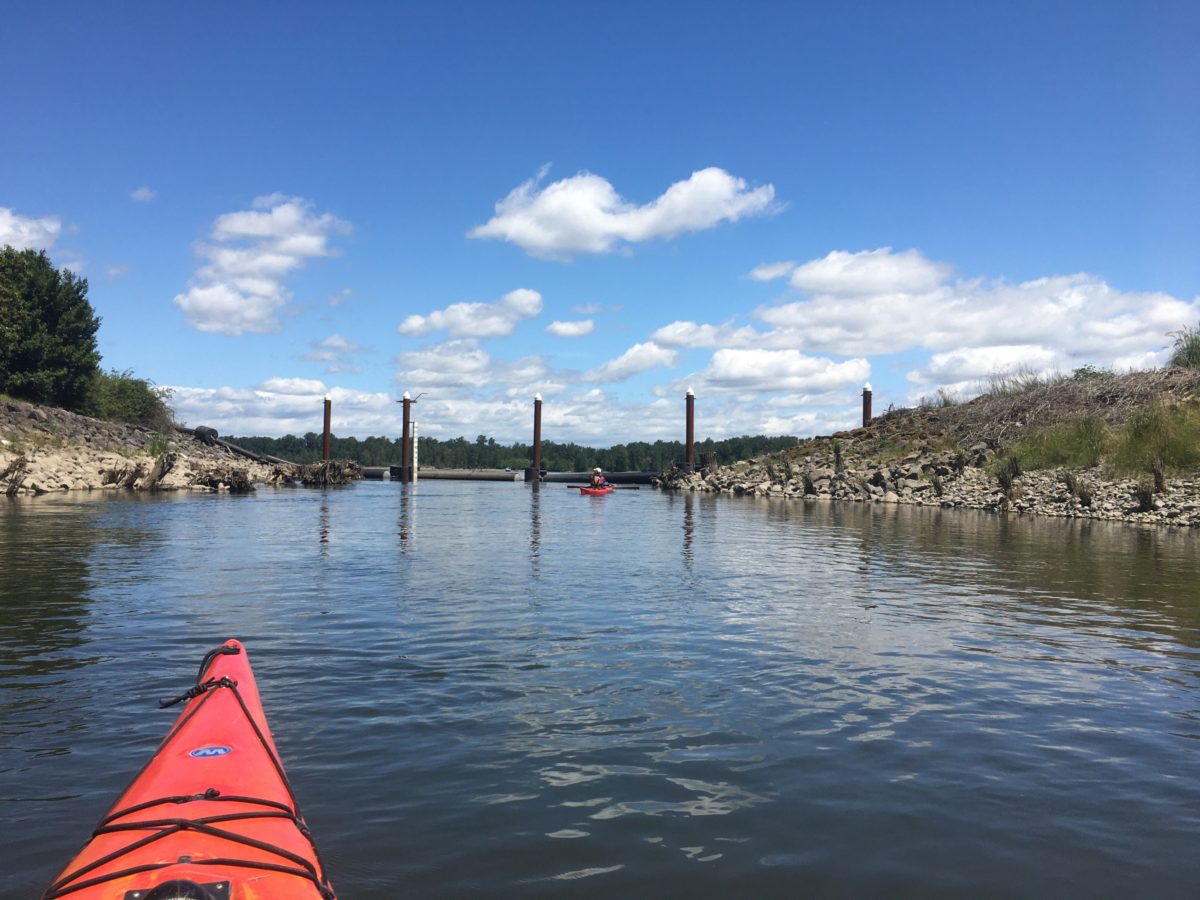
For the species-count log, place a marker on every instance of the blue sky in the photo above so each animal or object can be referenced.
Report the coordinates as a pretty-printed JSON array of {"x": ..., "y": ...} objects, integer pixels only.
[{"x": 606, "y": 204}]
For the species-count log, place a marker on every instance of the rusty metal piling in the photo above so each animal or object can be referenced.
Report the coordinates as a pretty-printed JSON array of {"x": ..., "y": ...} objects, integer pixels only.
[
  {"x": 326, "y": 446},
  {"x": 691, "y": 430},
  {"x": 534, "y": 472},
  {"x": 406, "y": 473}
]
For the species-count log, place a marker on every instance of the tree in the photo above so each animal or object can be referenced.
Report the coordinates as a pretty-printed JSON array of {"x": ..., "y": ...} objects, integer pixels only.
[{"x": 47, "y": 331}]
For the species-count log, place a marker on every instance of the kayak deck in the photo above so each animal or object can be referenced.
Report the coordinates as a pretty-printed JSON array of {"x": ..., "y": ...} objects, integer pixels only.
[
  {"x": 213, "y": 807},
  {"x": 596, "y": 492}
]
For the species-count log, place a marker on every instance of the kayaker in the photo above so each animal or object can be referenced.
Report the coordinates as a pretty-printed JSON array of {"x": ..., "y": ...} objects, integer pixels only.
[{"x": 598, "y": 479}]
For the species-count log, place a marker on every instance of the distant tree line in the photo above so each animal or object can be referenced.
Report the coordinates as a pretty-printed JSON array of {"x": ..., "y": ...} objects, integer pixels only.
[{"x": 485, "y": 453}]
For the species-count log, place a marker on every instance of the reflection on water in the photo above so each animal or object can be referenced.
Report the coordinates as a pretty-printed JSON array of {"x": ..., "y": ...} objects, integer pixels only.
[
  {"x": 689, "y": 527},
  {"x": 640, "y": 694},
  {"x": 43, "y": 599},
  {"x": 406, "y": 516},
  {"x": 535, "y": 526}
]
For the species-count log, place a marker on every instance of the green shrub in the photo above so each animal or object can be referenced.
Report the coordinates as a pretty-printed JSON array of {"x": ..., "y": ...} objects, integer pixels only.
[
  {"x": 159, "y": 444},
  {"x": 1085, "y": 373},
  {"x": 119, "y": 397},
  {"x": 1007, "y": 469},
  {"x": 1187, "y": 348},
  {"x": 1078, "y": 444},
  {"x": 943, "y": 398},
  {"x": 1143, "y": 493},
  {"x": 1160, "y": 436},
  {"x": 1084, "y": 492}
]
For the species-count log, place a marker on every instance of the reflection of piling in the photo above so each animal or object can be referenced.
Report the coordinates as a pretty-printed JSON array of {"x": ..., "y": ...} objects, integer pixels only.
[
  {"x": 406, "y": 441},
  {"x": 535, "y": 527},
  {"x": 689, "y": 528},
  {"x": 866, "y": 404},
  {"x": 534, "y": 472},
  {"x": 326, "y": 445},
  {"x": 691, "y": 430}
]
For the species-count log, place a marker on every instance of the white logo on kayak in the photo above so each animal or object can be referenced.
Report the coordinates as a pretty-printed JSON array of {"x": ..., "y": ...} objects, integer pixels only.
[{"x": 210, "y": 752}]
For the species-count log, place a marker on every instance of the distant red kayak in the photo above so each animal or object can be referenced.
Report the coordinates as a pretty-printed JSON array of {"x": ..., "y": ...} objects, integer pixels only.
[
  {"x": 211, "y": 816},
  {"x": 596, "y": 492}
]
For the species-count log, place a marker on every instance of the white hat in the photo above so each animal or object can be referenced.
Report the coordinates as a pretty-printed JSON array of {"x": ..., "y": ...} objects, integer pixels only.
[{"x": 597, "y": 469}]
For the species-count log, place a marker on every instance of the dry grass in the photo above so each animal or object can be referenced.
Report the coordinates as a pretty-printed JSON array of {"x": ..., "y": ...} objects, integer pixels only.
[{"x": 1027, "y": 404}]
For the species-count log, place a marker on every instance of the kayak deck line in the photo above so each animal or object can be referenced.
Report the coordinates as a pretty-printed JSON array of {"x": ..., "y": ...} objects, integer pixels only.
[{"x": 204, "y": 839}]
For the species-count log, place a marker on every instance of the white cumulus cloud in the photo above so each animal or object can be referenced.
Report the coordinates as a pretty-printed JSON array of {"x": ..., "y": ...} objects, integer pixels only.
[
  {"x": 283, "y": 406},
  {"x": 462, "y": 368},
  {"x": 250, "y": 253},
  {"x": 24, "y": 233},
  {"x": 571, "y": 329},
  {"x": 477, "y": 320},
  {"x": 300, "y": 386},
  {"x": 694, "y": 334},
  {"x": 778, "y": 370},
  {"x": 877, "y": 302},
  {"x": 458, "y": 363},
  {"x": 638, "y": 358},
  {"x": 585, "y": 214},
  {"x": 771, "y": 271},
  {"x": 142, "y": 194},
  {"x": 976, "y": 363},
  {"x": 870, "y": 272},
  {"x": 336, "y": 351}
]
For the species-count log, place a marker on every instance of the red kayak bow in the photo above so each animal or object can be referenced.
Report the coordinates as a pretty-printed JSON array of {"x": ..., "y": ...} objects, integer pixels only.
[{"x": 211, "y": 816}]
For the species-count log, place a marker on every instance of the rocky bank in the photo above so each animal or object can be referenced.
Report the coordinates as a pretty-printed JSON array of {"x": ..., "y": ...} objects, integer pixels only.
[
  {"x": 947, "y": 457},
  {"x": 43, "y": 449}
]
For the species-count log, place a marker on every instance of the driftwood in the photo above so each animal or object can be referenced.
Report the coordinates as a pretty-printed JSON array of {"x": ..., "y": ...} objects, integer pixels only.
[
  {"x": 122, "y": 476},
  {"x": 331, "y": 471},
  {"x": 161, "y": 467},
  {"x": 236, "y": 481},
  {"x": 209, "y": 437},
  {"x": 284, "y": 475},
  {"x": 14, "y": 472}
]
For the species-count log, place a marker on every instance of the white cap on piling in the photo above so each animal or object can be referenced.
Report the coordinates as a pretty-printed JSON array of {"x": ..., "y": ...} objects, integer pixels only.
[
  {"x": 867, "y": 386},
  {"x": 691, "y": 393},
  {"x": 407, "y": 395},
  {"x": 537, "y": 397}
]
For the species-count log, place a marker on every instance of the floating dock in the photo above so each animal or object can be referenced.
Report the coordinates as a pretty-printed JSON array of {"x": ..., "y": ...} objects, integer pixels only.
[
  {"x": 394, "y": 473},
  {"x": 463, "y": 474}
]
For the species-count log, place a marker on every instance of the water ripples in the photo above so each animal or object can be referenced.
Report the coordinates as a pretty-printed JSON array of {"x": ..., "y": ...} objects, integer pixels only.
[{"x": 490, "y": 691}]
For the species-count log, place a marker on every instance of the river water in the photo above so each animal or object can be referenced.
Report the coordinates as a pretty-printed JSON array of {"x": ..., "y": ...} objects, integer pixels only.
[{"x": 489, "y": 690}]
